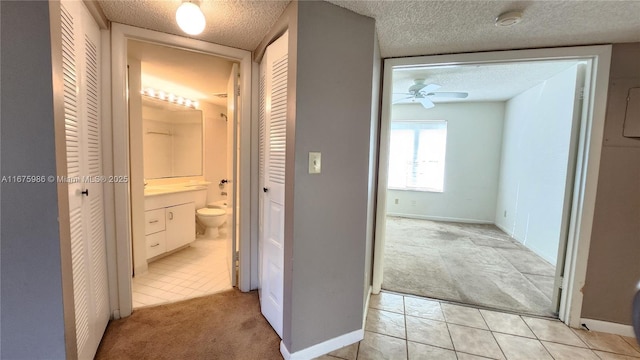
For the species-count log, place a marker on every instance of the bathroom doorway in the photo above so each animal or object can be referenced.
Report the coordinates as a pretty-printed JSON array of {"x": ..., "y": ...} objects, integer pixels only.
[
  {"x": 527, "y": 178},
  {"x": 182, "y": 129}
]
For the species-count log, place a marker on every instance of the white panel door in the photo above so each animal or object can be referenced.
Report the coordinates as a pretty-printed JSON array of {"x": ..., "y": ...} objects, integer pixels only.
[
  {"x": 81, "y": 72},
  {"x": 275, "y": 126},
  {"x": 232, "y": 158}
]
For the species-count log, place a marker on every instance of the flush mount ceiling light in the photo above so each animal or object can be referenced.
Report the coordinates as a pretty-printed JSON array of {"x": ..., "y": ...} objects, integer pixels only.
[
  {"x": 509, "y": 18},
  {"x": 190, "y": 18}
]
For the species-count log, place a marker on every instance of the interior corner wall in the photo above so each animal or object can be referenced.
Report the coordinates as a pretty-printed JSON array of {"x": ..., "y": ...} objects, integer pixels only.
[
  {"x": 333, "y": 103},
  {"x": 32, "y": 324},
  {"x": 613, "y": 268},
  {"x": 373, "y": 167},
  {"x": 472, "y": 164},
  {"x": 535, "y": 158}
]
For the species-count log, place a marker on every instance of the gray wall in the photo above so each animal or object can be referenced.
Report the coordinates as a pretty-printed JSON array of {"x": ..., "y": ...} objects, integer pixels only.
[
  {"x": 326, "y": 214},
  {"x": 613, "y": 269},
  {"x": 32, "y": 308}
]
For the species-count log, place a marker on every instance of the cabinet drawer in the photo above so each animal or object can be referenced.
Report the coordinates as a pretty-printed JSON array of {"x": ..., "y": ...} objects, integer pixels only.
[
  {"x": 154, "y": 221},
  {"x": 156, "y": 244}
]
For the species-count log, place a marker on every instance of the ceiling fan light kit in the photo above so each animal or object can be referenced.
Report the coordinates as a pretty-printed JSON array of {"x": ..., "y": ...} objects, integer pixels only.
[{"x": 509, "y": 18}]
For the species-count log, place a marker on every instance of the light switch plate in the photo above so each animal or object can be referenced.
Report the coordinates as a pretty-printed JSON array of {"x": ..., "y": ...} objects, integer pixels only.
[{"x": 314, "y": 162}]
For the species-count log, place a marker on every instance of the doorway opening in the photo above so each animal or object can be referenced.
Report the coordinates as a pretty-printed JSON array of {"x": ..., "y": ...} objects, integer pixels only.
[
  {"x": 482, "y": 178},
  {"x": 183, "y": 161}
]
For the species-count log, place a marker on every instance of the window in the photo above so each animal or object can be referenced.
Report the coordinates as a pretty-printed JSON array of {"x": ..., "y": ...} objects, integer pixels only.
[{"x": 416, "y": 155}]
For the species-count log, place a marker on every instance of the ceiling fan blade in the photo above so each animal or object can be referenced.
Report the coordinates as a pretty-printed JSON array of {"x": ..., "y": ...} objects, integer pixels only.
[
  {"x": 426, "y": 103},
  {"x": 451, "y": 94},
  {"x": 396, "y": 101},
  {"x": 430, "y": 88}
]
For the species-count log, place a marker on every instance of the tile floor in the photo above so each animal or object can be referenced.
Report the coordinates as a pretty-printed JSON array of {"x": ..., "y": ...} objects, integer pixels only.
[
  {"x": 200, "y": 269},
  {"x": 407, "y": 327}
]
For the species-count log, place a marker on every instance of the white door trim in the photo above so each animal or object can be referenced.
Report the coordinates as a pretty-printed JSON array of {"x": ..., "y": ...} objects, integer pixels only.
[
  {"x": 120, "y": 261},
  {"x": 588, "y": 158}
]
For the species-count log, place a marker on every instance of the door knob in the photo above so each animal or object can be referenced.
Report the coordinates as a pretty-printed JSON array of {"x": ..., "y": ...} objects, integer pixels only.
[
  {"x": 265, "y": 189},
  {"x": 223, "y": 181}
]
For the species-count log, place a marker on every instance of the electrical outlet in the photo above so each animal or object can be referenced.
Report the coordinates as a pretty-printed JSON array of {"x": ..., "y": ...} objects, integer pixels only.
[
  {"x": 413, "y": 203},
  {"x": 505, "y": 213},
  {"x": 397, "y": 201}
]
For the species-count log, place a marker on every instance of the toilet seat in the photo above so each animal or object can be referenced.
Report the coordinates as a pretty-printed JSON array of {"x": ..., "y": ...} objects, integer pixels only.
[{"x": 211, "y": 212}]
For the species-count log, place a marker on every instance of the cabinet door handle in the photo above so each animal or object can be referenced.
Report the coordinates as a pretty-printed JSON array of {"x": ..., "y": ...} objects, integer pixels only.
[
  {"x": 170, "y": 215},
  {"x": 158, "y": 244},
  {"x": 153, "y": 221}
]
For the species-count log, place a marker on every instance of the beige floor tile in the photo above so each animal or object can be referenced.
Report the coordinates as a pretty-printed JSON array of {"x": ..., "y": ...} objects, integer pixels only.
[
  {"x": 464, "y": 356},
  {"x": 388, "y": 302},
  {"x": 327, "y": 357},
  {"x": 607, "y": 342},
  {"x": 475, "y": 341},
  {"x": 385, "y": 322},
  {"x": 632, "y": 341},
  {"x": 381, "y": 347},
  {"x": 506, "y": 323},
  {"x": 347, "y": 353},
  {"x": 566, "y": 352},
  {"x": 610, "y": 356},
  {"x": 423, "y": 308},
  {"x": 554, "y": 331},
  {"x": 430, "y": 332},
  {"x": 462, "y": 315},
  {"x": 521, "y": 348},
  {"x": 419, "y": 351}
]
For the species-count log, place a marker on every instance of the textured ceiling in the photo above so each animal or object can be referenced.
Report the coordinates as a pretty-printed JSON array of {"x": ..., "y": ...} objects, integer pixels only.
[
  {"x": 189, "y": 74},
  {"x": 486, "y": 82},
  {"x": 236, "y": 23},
  {"x": 408, "y": 28}
]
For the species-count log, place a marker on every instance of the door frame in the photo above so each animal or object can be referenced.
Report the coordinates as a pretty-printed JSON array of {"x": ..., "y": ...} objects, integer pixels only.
[
  {"x": 118, "y": 219},
  {"x": 587, "y": 161}
]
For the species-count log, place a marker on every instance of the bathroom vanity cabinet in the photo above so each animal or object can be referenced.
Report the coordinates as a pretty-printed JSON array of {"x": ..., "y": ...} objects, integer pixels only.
[{"x": 168, "y": 225}]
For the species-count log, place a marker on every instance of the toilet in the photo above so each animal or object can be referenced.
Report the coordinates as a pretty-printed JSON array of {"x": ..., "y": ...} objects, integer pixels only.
[
  {"x": 211, "y": 219},
  {"x": 211, "y": 216}
]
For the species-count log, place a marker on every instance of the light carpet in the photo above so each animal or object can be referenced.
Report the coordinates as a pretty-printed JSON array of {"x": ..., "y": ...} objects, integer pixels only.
[{"x": 473, "y": 264}]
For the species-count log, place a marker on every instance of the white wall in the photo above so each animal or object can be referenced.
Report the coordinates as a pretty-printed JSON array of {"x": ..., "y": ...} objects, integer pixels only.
[
  {"x": 534, "y": 163},
  {"x": 472, "y": 163},
  {"x": 215, "y": 149}
]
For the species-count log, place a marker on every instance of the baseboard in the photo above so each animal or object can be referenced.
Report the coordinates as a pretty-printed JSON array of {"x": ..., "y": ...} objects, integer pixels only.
[
  {"x": 322, "y": 348},
  {"x": 504, "y": 230},
  {"x": 609, "y": 327},
  {"x": 440, "y": 218}
]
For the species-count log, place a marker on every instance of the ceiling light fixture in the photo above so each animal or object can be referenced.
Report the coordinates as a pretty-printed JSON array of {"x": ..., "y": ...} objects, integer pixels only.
[
  {"x": 509, "y": 18},
  {"x": 190, "y": 18},
  {"x": 170, "y": 98}
]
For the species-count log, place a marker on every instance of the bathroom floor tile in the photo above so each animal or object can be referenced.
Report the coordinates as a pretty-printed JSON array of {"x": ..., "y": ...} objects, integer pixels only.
[
  {"x": 607, "y": 342},
  {"x": 430, "y": 332},
  {"x": 465, "y": 356},
  {"x": 385, "y": 322},
  {"x": 566, "y": 352},
  {"x": 419, "y": 351},
  {"x": 429, "y": 309},
  {"x": 521, "y": 348},
  {"x": 462, "y": 315},
  {"x": 554, "y": 331},
  {"x": 475, "y": 341},
  {"x": 347, "y": 353},
  {"x": 388, "y": 302},
  {"x": 506, "y": 323},
  {"x": 632, "y": 341}
]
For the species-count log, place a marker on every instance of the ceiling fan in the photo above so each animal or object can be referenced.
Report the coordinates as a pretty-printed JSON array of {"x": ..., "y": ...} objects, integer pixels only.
[{"x": 422, "y": 93}]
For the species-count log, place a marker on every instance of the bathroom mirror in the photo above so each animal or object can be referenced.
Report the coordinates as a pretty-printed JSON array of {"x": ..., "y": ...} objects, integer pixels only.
[{"x": 172, "y": 140}]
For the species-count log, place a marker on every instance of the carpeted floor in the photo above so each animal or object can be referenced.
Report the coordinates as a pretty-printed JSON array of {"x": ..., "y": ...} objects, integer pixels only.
[
  {"x": 467, "y": 263},
  {"x": 226, "y": 325}
]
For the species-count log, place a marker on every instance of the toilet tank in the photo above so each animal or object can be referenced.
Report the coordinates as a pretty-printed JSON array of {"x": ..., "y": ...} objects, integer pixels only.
[{"x": 201, "y": 198}]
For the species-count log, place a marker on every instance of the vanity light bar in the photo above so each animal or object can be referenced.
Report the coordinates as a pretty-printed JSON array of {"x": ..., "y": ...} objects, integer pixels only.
[{"x": 169, "y": 97}]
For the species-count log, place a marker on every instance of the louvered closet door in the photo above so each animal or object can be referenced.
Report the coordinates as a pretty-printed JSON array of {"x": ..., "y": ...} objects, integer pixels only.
[
  {"x": 81, "y": 71},
  {"x": 275, "y": 127}
]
